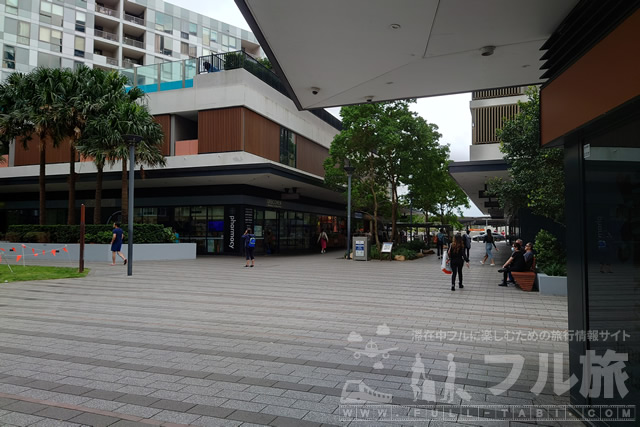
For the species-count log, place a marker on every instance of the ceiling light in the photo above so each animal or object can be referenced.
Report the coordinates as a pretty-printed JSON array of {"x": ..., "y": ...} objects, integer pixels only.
[{"x": 395, "y": 26}]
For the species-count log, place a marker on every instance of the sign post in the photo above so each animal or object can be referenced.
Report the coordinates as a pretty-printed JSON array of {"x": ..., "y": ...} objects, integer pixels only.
[{"x": 386, "y": 248}]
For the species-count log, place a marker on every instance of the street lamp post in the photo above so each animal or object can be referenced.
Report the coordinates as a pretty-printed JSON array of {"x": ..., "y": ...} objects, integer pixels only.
[
  {"x": 132, "y": 140},
  {"x": 349, "y": 170}
]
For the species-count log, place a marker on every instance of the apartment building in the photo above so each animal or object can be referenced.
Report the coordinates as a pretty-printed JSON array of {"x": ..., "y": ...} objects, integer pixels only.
[
  {"x": 239, "y": 153},
  {"x": 109, "y": 34}
]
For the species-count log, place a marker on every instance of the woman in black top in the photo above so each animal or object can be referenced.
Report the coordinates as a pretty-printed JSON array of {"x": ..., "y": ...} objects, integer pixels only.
[{"x": 457, "y": 257}]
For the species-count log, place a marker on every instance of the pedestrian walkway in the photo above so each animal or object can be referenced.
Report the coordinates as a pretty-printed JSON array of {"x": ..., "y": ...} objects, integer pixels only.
[{"x": 208, "y": 342}]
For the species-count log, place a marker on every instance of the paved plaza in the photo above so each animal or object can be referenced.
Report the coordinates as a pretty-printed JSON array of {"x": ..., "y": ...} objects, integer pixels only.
[{"x": 208, "y": 342}]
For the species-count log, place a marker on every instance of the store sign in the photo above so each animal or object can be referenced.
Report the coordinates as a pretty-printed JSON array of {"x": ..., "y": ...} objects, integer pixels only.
[
  {"x": 232, "y": 230},
  {"x": 271, "y": 203},
  {"x": 248, "y": 219}
]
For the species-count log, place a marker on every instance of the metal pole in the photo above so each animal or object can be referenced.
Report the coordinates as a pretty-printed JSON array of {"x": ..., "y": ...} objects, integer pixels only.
[
  {"x": 132, "y": 164},
  {"x": 349, "y": 216},
  {"x": 410, "y": 222},
  {"x": 81, "y": 266}
]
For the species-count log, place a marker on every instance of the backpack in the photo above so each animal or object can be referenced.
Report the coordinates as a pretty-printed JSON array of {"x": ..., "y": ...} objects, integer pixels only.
[{"x": 252, "y": 242}]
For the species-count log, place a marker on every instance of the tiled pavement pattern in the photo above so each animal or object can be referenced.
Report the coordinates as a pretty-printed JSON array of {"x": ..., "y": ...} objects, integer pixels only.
[{"x": 209, "y": 342}]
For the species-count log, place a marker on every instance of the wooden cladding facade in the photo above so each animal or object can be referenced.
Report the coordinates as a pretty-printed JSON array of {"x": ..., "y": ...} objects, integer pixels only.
[
  {"x": 261, "y": 136},
  {"x": 220, "y": 130},
  {"x": 31, "y": 156},
  {"x": 164, "y": 120},
  {"x": 310, "y": 156},
  {"x": 487, "y": 120}
]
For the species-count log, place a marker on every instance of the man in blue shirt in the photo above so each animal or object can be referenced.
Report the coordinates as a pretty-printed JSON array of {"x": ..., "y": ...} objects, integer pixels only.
[{"x": 116, "y": 243}]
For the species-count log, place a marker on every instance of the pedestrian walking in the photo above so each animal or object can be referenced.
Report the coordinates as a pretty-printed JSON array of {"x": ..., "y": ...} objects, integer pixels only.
[
  {"x": 489, "y": 244},
  {"x": 249, "y": 245},
  {"x": 440, "y": 243},
  {"x": 323, "y": 239},
  {"x": 466, "y": 238},
  {"x": 116, "y": 244},
  {"x": 457, "y": 257}
]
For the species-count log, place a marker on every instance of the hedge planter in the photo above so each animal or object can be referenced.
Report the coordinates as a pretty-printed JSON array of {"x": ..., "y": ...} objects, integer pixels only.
[
  {"x": 102, "y": 252},
  {"x": 552, "y": 285}
]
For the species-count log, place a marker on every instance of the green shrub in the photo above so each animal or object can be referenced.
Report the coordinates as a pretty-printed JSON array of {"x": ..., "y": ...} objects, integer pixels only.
[
  {"x": 374, "y": 253},
  {"x": 550, "y": 256},
  {"x": 414, "y": 245},
  {"x": 12, "y": 236},
  {"x": 36, "y": 237},
  {"x": 406, "y": 252},
  {"x": 143, "y": 233}
]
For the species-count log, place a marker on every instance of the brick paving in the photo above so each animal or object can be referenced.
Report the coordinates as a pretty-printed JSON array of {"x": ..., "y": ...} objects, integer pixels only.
[{"x": 208, "y": 342}]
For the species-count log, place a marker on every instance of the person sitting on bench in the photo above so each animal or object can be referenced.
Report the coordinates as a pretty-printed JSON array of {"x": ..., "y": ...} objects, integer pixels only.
[{"x": 515, "y": 263}]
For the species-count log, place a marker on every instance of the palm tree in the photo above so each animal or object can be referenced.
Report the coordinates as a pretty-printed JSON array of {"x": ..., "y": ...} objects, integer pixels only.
[
  {"x": 119, "y": 115},
  {"x": 40, "y": 107}
]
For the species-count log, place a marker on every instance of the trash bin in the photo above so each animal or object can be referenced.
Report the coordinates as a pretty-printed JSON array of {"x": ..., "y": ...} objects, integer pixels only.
[{"x": 360, "y": 248}]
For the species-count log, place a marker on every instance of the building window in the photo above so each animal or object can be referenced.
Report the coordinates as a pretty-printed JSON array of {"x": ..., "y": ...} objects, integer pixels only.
[
  {"x": 51, "y": 13},
  {"x": 46, "y": 60},
  {"x": 162, "y": 44},
  {"x": 11, "y": 7},
  {"x": 184, "y": 48},
  {"x": 79, "y": 47},
  {"x": 9, "y": 57},
  {"x": 193, "y": 29},
  {"x": 81, "y": 19},
  {"x": 184, "y": 35},
  {"x": 164, "y": 22},
  {"x": 53, "y": 37},
  {"x": 206, "y": 34},
  {"x": 214, "y": 37},
  {"x": 287, "y": 147},
  {"x": 23, "y": 32},
  {"x": 193, "y": 51}
]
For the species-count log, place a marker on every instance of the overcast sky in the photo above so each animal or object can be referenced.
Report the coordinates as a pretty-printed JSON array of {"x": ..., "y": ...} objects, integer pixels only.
[{"x": 451, "y": 113}]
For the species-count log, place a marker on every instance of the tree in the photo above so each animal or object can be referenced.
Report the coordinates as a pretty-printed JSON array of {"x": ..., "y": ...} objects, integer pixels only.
[
  {"x": 536, "y": 174},
  {"x": 107, "y": 95},
  {"x": 39, "y": 104},
  {"x": 389, "y": 146},
  {"x": 126, "y": 118}
]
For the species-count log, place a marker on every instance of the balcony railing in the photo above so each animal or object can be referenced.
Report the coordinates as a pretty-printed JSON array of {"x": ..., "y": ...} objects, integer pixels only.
[
  {"x": 112, "y": 61},
  {"x": 106, "y": 35},
  {"x": 106, "y": 11},
  {"x": 132, "y": 42},
  {"x": 133, "y": 19},
  {"x": 127, "y": 63},
  {"x": 240, "y": 59}
]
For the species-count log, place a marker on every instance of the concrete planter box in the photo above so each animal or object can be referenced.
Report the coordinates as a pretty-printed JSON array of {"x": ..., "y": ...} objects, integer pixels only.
[
  {"x": 552, "y": 285},
  {"x": 102, "y": 253}
]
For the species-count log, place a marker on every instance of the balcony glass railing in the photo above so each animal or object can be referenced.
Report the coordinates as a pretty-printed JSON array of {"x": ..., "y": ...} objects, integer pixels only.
[
  {"x": 131, "y": 42},
  {"x": 112, "y": 61},
  {"x": 180, "y": 74},
  {"x": 240, "y": 59},
  {"x": 107, "y": 11},
  {"x": 106, "y": 35},
  {"x": 133, "y": 19}
]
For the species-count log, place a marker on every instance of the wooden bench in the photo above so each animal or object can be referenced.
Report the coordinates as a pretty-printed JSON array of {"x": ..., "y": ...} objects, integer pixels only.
[{"x": 525, "y": 279}]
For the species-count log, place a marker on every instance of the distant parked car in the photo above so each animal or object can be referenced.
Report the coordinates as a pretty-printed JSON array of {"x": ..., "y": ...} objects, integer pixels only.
[{"x": 496, "y": 237}]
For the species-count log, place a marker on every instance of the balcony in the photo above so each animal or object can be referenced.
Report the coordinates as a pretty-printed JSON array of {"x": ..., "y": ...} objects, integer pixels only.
[
  {"x": 106, "y": 35},
  {"x": 112, "y": 61},
  {"x": 107, "y": 11},
  {"x": 133, "y": 19},
  {"x": 128, "y": 63},
  {"x": 132, "y": 42}
]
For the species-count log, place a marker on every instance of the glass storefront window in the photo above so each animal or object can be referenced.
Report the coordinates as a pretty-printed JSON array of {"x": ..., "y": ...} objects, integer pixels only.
[{"x": 612, "y": 235}]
